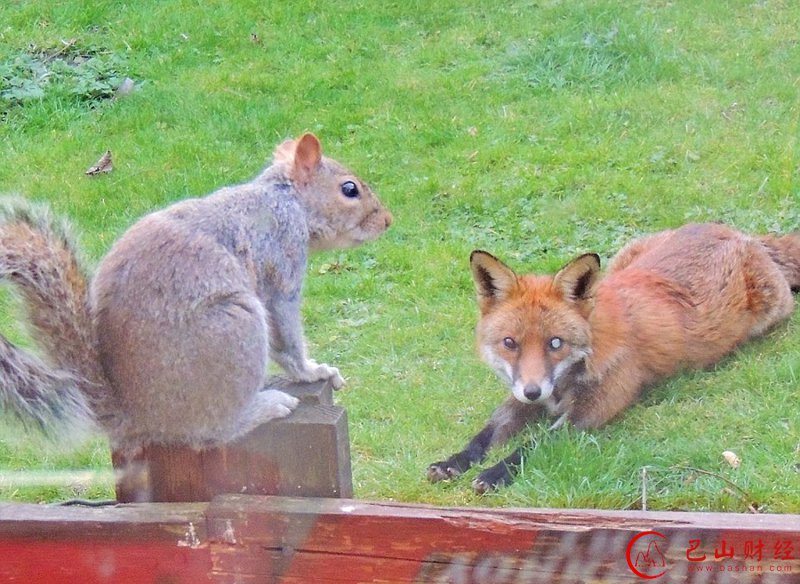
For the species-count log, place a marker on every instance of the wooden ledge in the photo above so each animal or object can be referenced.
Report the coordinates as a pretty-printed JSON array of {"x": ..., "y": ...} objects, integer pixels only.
[{"x": 244, "y": 539}]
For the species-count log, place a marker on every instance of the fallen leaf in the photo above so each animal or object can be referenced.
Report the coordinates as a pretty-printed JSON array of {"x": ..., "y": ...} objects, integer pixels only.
[
  {"x": 103, "y": 165},
  {"x": 731, "y": 458}
]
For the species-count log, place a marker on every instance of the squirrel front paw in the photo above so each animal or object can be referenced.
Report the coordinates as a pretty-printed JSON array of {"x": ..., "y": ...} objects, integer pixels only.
[
  {"x": 331, "y": 374},
  {"x": 314, "y": 371}
]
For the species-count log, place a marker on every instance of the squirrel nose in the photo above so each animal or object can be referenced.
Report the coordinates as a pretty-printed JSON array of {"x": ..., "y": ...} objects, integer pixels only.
[
  {"x": 532, "y": 392},
  {"x": 388, "y": 219}
]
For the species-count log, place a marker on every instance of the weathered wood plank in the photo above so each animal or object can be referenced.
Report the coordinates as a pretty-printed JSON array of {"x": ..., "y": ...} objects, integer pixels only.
[
  {"x": 156, "y": 543},
  {"x": 244, "y": 539},
  {"x": 299, "y": 540}
]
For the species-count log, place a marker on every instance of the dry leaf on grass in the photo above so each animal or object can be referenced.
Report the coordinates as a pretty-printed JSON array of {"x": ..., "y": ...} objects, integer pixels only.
[
  {"x": 731, "y": 458},
  {"x": 103, "y": 165}
]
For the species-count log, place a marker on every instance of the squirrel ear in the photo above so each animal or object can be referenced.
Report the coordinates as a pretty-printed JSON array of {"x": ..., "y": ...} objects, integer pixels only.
[
  {"x": 494, "y": 280},
  {"x": 577, "y": 279},
  {"x": 307, "y": 156},
  {"x": 302, "y": 155}
]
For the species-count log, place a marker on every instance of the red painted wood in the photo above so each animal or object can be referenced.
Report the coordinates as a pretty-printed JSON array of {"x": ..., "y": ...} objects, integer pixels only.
[
  {"x": 56, "y": 545},
  {"x": 329, "y": 541},
  {"x": 249, "y": 539},
  {"x": 83, "y": 561}
]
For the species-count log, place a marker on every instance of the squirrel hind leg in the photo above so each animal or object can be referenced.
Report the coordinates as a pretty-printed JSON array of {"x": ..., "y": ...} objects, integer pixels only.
[{"x": 266, "y": 405}]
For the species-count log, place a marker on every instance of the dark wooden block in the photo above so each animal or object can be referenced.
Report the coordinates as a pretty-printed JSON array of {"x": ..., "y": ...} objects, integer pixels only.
[{"x": 306, "y": 454}]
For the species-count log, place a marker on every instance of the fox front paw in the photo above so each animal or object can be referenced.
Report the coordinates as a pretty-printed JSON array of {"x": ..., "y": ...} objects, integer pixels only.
[
  {"x": 438, "y": 471},
  {"x": 445, "y": 470},
  {"x": 492, "y": 479}
]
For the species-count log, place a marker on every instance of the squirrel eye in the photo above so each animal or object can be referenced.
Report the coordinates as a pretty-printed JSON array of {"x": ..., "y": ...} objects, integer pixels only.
[
  {"x": 350, "y": 189},
  {"x": 510, "y": 344},
  {"x": 555, "y": 343}
]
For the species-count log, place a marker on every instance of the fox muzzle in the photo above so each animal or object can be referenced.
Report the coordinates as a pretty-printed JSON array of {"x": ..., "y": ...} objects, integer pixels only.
[{"x": 532, "y": 392}]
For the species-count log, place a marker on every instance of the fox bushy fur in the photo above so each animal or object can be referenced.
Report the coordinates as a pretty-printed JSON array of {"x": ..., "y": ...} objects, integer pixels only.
[
  {"x": 580, "y": 348},
  {"x": 169, "y": 341}
]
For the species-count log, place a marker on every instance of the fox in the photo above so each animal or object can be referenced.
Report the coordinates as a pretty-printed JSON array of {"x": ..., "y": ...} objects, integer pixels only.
[{"x": 579, "y": 347}]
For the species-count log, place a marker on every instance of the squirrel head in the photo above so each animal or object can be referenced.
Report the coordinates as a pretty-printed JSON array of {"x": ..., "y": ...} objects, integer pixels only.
[{"x": 342, "y": 211}]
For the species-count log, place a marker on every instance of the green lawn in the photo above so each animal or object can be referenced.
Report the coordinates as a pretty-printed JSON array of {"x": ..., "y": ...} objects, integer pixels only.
[{"x": 534, "y": 130}]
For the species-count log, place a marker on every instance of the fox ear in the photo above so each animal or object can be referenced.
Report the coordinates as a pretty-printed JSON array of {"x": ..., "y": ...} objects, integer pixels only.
[
  {"x": 303, "y": 154},
  {"x": 577, "y": 279},
  {"x": 494, "y": 280}
]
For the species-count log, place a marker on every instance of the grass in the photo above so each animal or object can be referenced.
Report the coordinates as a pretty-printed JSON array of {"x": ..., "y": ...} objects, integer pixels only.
[{"x": 535, "y": 130}]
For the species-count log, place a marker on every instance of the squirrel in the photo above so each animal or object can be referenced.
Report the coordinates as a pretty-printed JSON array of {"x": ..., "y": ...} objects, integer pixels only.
[{"x": 169, "y": 341}]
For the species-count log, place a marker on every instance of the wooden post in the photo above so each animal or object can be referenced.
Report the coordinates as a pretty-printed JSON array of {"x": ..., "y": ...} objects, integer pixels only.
[{"x": 306, "y": 454}]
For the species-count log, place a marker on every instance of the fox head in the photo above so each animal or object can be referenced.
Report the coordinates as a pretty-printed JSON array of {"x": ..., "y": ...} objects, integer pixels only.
[{"x": 533, "y": 329}]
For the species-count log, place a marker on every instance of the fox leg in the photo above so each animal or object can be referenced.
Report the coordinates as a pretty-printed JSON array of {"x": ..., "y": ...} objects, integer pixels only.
[
  {"x": 596, "y": 404},
  {"x": 506, "y": 421},
  {"x": 504, "y": 471},
  {"x": 500, "y": 474}
]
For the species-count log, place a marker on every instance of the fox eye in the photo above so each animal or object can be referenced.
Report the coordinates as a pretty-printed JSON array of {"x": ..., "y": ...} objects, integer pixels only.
[
  {"x": 350, "y": 189},
  {"x": 510, "y": 344},
  {"x": 555, "y": 343}
]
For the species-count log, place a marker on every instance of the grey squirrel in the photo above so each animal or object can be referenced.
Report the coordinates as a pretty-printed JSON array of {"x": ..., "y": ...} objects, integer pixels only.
[{"x": 169, "y": 342}]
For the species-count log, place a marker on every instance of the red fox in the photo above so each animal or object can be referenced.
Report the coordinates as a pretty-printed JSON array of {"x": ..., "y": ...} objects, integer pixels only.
[{"x": 577, "y": 347}]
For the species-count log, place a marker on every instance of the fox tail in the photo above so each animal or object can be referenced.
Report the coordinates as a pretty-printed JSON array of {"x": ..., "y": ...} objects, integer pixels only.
[{"x": 785, "y": 252}]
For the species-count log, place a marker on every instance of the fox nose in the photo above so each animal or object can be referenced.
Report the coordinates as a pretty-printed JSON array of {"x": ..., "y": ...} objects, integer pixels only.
[{"x": 533, "y": 392}]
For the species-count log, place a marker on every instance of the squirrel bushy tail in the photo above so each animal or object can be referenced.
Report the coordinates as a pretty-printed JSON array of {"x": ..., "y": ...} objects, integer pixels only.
[{"x": 67, "y": 386}]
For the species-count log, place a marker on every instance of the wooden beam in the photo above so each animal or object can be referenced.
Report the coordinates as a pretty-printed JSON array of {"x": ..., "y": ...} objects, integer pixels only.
[
  {"x": 59, "y": 545},
  {"x": 306, "y": 454},
  {"x": 244, "y": 539},
  {"x": 297, "y": 541}
]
